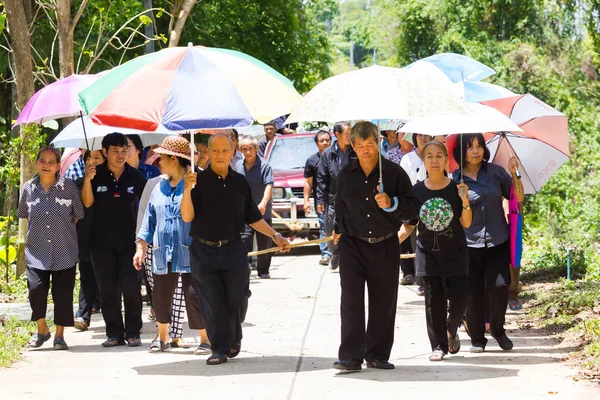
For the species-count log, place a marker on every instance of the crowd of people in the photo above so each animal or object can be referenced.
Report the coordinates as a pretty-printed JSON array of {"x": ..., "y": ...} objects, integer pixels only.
[{"x": 185, "y": 229}]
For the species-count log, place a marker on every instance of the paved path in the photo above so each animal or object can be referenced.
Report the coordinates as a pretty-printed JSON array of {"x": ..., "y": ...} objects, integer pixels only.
[{"x": 291, "y": 339}]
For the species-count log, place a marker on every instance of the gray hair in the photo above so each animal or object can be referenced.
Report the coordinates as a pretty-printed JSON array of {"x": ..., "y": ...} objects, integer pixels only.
[
  {"x": 248, "y": 137},
  {"x": 221, "y": 135},
  {"x": 363, "y": 130}
]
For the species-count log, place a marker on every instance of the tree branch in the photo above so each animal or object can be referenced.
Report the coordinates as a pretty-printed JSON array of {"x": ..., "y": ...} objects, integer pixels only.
[{"x": 78, "y": 15}]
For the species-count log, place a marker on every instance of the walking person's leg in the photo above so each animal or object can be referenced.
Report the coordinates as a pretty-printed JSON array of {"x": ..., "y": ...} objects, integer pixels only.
[
  {"x": 164, "y": 287},
  {"x": 63, "y": 284},
  {"x": 333, "y": 248},
  {"x": 325, "y": 253},
  {"x": 105, "y": 263},
  {"x": 456, "y": 290},
  {"x": 382, "y": 273},
  {"x": 195, "y": 320},
  {"x": 177, "y": 315},
  {"x": 149, "y": 280},
  {"x": 497, "y": 284},
  {"x": 130, "y": 285},
  {"x": 264, "y": 260},
  {"x": 435, "y": 316},
  {"x": 475, "y": 299},
  {"x": 38, "y": 283},
  {"x": 88, "y": 291}
]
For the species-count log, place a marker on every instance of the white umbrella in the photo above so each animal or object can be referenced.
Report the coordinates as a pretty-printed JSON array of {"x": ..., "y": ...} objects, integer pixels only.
[{"x": 73, "y": 135}]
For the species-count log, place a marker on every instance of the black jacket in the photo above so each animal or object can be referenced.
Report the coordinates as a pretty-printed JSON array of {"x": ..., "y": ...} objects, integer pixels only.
[{"x": 330, "y": 166}]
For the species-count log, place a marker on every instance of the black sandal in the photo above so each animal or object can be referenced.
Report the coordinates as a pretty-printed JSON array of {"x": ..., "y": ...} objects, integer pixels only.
[
  {"x": 113, "y": 342},
  {"x": 159, "y": 347},
  {"x": 235, "y": 350},
  {"x": 134, "y": 341},
  {"x": 37, "y": 340},
  {"x": 216, "y": 359}
]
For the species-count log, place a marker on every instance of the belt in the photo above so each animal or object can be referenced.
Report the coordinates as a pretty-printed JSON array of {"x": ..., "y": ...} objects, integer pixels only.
[
  {"x": 213, "y": 244},
  {"x": 376, "y": 239}
]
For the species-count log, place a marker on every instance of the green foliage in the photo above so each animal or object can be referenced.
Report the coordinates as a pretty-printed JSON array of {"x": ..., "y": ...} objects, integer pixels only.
[{"x": 14, "y": 334}]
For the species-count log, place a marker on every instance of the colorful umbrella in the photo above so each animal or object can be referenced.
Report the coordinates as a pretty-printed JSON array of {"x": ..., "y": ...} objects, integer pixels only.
[
  {"x": 57, "y": 100},
  {"x": 190, "y": 87},
  {"x": 541, "y": 148},
  {"x": 456, "y": 67}
]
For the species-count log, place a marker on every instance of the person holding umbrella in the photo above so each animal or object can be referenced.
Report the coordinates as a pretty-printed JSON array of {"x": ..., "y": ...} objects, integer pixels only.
[
  {"x": 487, "y": 237},
  {"x": 366, "y": 226}
]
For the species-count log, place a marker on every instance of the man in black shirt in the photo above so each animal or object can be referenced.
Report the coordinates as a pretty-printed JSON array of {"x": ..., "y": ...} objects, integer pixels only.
[
  {"x": 114, "y": 189},
  {"x": 366, "y": 228},
  {"x": 218, "y": 202},
  {"x": 323, "y": 141},
  {"x": 332, "y": 161}
]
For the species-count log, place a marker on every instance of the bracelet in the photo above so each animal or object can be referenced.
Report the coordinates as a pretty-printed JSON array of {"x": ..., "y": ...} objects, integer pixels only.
[
  {"x": 467, "y": 207},
  {"x": 276, "y": 234}
]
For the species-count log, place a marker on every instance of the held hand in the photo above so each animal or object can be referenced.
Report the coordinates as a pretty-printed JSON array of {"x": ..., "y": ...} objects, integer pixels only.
[
  {"x": 336, "y": 237},
  {"x": 262, "y": 208},
  {"x": 321, "y": 208},
  {"x": 283, "y": 243},
  {"x": 90, "y": 171},
  {"x": 463, "y": 192},
  {"x": 307, "y": 207},
  {"x": 138, "y": 259},
  {"x": 513, "y": 165},
  {"x": 383, "y": 200},
  {"x": 189, "y": 181}
]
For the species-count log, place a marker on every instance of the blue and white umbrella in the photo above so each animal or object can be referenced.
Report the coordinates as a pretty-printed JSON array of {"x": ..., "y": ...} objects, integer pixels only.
[{"x": 456, "y": 67}]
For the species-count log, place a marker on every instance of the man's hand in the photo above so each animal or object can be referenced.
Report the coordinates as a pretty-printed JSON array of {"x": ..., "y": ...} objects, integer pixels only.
[
  {"x": 189, "y": 181},
  {"x": 282, "y": 243},
  {"x": 90, "y": 171},
  {"x": 138, "y": 259},
  {"x": 336, "y": 237},
  {"x": 262, "y": 208},
  {"x": 307, "y": 207},
  {"x": 383, "y": 200},
  {"x": 321, "y": 208}
]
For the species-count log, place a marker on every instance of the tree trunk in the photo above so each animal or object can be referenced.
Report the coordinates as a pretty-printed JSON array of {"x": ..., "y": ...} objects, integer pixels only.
[
  {"x": 149, "y": 30},
  {"x": 65, "y": 38},
  {"x": 175, "y": 34},
  {"x": 21, "y": 45}
]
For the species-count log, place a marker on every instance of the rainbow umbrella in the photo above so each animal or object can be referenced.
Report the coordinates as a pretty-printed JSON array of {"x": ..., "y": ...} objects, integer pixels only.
[{"x": 192, "y": 87}]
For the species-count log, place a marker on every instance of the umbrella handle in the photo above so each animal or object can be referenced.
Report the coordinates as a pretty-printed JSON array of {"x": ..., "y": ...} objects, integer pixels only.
[
  {"x": 512, "y": 154},
  {"x": 394, "y": 206},
  {"x": 461, "y": 191}
]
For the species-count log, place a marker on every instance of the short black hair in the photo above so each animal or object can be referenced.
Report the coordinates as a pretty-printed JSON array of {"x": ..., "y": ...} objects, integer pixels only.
[
  {"x": 52, "y": 149},
  {"x": 115, "y": 139},
  {"x": 88, "y": 154},
  {"x": 137, "y": 142},
  {"x": 416, "y": 142},
  {"x": 363, "y": 130},
  {"x": 321, "y": 132},
  {"x": 467, "y": 141},
  {"x": 339, "y": 126},
  {"x": 273, "y": 124},
  {"x": 235, "y": 134},
  {"x": 184, "y": 162}
]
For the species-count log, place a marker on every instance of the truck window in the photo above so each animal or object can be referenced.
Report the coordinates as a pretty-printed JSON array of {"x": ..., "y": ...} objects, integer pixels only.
[{"x": 292, "y": 153}]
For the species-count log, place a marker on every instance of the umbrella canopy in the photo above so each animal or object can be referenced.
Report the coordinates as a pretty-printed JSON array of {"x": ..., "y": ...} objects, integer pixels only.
[
  {"x": 456, "y": 67},
  {"x": 73, "y": 135},
  {"x": 475, "y": 92},
  {"x": 57, "y": 100},
  {"x": 190, "y": 87},
  {"x": 377, "y": 93}
]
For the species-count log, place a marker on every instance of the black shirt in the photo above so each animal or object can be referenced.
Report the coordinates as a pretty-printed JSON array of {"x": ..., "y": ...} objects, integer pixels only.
[
  {"x": 441, "y": 241},
  {"x": 356, "y": 211},
  {"x": 115, "y": 206},
  {"x": 311, "y": 169},
  {"x": 222, "y": 207}
]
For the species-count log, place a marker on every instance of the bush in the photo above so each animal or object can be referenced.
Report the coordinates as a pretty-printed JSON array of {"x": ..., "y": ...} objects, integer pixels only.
[{"x": 546, "y": 259}]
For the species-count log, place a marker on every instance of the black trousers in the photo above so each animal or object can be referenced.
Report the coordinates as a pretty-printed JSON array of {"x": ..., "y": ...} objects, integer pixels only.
[
  {"x": 63, "y": 283},
  {"x": 329, "y": 226},
  {"x": 88, "y": 289},
  {"x": 222, "y": 279},
  {"x": 445, "y": 303},
  {"x": 164, "y": 288},
  {"x": 115, "y": 276},
  {"x": 407, "y": 265},
  {"x": 263, "y": 242},
  {"x": 488, "y": 274},
  {"x": 377, "y": 266}
]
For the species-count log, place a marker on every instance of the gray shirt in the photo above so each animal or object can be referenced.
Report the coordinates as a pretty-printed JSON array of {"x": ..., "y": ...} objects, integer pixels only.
[
  {"x": 259, "y": 176},
  {"x": 237, "y": 157},
  {"x": 489, "y": 227}
]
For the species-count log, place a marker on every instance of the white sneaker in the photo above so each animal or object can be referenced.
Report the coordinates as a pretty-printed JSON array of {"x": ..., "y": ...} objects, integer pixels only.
[{"x": 477, "y": 348}]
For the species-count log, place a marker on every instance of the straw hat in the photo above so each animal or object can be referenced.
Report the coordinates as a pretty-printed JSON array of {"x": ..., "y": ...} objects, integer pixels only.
[{"x": 175, "y": 146}]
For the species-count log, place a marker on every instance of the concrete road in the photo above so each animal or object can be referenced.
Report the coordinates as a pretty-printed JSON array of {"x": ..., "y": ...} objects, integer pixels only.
[{"x": 291, "y": 338}]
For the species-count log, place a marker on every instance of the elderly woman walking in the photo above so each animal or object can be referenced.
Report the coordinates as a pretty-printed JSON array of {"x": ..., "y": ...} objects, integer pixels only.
[
  {"x": 52, "y": 205},
  {"x": 170, "y": 236},
  {"x": 441, "y": 252},
  {"x": 487, "y": 238}
]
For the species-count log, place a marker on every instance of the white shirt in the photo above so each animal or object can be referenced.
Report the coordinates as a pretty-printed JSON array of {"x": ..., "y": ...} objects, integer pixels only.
[{"x": 414, "y": 167}]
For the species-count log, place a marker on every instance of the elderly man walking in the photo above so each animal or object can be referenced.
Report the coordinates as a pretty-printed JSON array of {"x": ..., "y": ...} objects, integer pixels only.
[
  {"x": 259, "y": 174},
  {"x": 218, "y": 202},
  {"x": 366, "y": 226}
]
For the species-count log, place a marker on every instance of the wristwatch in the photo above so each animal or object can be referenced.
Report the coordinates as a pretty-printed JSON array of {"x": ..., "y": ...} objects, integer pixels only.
[
  {"x": 467, "y": 207},
  {"x": 275, "y": 235}
]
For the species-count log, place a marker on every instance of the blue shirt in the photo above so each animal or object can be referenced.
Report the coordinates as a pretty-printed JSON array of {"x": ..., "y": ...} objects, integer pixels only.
[
  {"x": 165, "y": 229},
  {"x": 149, "y": 171},
  {"x": 51, "y": 233},
  {"x": 259, "y": 176},
  {"x": 489, "y": 227},
  {"x": 76, "y": 170}
]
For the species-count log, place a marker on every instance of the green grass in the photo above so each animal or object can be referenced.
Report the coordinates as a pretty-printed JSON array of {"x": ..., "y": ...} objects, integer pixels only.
[{"x": 14, "y": 335}]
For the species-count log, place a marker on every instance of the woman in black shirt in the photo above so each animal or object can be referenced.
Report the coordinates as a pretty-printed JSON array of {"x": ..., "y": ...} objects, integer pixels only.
[{"x": 442, "y": 258}]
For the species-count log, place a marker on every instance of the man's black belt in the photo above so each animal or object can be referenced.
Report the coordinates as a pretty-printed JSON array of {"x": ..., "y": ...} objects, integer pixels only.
[
  {"x": 213, "y": 244},
  {"x": 376, "y": 239}
]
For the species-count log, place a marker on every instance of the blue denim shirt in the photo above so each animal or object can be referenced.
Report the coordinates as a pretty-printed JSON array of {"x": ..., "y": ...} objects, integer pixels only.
[
  {"x": 489, "y": 227},
  {"x": 166, "y": 230}
]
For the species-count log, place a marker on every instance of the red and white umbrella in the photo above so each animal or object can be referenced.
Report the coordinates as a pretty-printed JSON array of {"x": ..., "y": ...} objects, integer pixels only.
[{"x": 541, "y": 148}]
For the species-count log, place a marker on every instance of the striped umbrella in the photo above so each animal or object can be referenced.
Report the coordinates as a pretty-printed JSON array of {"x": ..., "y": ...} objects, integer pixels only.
[{"x": 192, "y": 87}]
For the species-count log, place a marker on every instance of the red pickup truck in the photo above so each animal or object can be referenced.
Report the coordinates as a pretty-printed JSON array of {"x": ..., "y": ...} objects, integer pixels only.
[{"x": 287, "y": 155}]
